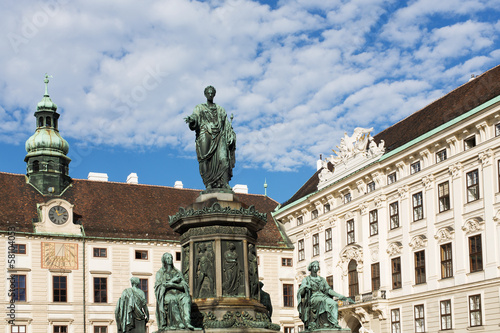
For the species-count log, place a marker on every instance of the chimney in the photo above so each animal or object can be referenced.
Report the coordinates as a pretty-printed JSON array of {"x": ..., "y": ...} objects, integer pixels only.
[
  {"x": 96, "y": 176},
  {"x": 133, "y": 178},
  {"x": 239, "y": 188},
  {"x": 178, "y": 184}
]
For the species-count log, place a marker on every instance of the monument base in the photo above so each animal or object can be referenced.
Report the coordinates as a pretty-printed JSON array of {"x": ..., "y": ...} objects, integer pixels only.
[{"x": 329, "y": 330}]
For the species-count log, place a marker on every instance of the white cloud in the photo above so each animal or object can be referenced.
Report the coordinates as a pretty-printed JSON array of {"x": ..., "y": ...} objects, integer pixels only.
[{"x": 296, "y": 75}]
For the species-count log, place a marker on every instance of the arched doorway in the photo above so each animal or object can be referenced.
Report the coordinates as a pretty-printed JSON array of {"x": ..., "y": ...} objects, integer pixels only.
[{"x": 352, "y": 270}]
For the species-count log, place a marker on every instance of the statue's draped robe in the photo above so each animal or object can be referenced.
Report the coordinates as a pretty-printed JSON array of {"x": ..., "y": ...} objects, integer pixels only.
[
  {"x": 173, "y": 306},
  {"x": 131, "y": 311},
  {"x": 316, "y": 307},
  {"x": 215, "y": 144},
  {"x": 231, "y": 273}
]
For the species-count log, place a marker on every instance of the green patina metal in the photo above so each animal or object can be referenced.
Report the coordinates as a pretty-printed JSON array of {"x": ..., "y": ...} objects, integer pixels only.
[
  {"x": 237, "y": 319},
  {"x": 47, "y": 164},
  {"x": 400, "y": 149},
  {"x": 216, "y": 208}
]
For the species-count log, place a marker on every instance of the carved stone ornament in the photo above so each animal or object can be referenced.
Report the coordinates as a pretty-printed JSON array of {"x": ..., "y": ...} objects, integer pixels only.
[
  {"x": 332, "y": 221},
  {"x": 380, "y": 310},
  {"x": 403, "y": 191},
  {"x": 377, "y": 178},
  {"x": 351, "y": 252},
  {"x": 473, "y": 225},
  {"x": 496, "y": 218},
  {"x": 379, "y": 200},
  {"x": 374, "y": 254},
  {"x": 428, "y": 181},
  {"x": 348, "y": 215},
  {"x": 394, "y": 248},
  {"x": 238, "y": 320},
  {"x": 418, "y": 242},
  {"x": 216, "y": 208},
  {"x": 444, "y": 234},
  {"x": 485, "y": 157},
  {"x": 306, "y": 231},
  {"x": 361, "y": 186},
  {"x": 454, "y": 170},
  {"x": 363, "y": 208}
]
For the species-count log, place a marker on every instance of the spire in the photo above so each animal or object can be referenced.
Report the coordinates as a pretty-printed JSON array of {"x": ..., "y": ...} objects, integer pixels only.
[
  {"x": 47, "y": 163},
  {"x": 265, "y": 187}
]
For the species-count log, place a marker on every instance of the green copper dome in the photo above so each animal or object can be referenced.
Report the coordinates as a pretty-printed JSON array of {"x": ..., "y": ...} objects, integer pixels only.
[{"x": 46, "y": 141}]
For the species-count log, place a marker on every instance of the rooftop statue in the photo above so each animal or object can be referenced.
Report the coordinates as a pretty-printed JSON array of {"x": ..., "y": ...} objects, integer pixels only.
[
  {"x": 215, "y": 143},
  {"x": 316, "y": 306},
  {"x": 173, "y": 302},
  {"x": 131, "y": 311}
]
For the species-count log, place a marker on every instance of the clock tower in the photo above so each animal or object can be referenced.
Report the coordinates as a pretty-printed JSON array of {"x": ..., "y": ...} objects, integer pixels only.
[{"x": 47, "y": 164}]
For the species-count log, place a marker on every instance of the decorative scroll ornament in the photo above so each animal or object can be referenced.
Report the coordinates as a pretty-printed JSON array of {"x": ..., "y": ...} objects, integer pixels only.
[
  {"x": 403, "y": 191},
  {"x": 361, "y": 186},
  {"x": 473, "y": 225},
  {"x": 363, "y": 207},
  {"x": 332, "y": 221},
  {"x": 485, "y": 157},
  {"x": 352, "y": 252},
  {"x": 306, "y": 231},
  {"x": 216, "y": 208},
  {"x": 454, "y": 170},
  {"x": 428, "y": 181},
  {"x": 348, "y": 215},
  {"x": 496, "y": 218},
  {"x": 444, "y": 234},
  {"x": 380, "y": 310},
  {"x": 394, "y": 248},
  {"x": 379, "y": 200},
  {"x": 418, "y": 242},
  {"x": 361, "y": 314}
]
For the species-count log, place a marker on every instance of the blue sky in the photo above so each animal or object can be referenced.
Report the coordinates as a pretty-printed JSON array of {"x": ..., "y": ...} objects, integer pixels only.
[{"x": 295, "y": 74}]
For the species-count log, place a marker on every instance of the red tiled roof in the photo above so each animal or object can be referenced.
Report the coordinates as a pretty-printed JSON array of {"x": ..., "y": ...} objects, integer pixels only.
[
  {"x": 118, "y": 210},
  {"x": 466, "y": 97}
]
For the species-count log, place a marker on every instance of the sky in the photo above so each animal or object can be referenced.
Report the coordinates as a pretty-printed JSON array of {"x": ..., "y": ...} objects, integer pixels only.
[{"x": 295, "y": 74}]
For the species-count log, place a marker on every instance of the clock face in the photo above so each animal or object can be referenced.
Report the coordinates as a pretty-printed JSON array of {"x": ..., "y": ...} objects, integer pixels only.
[{"x": 58, "y": 215}]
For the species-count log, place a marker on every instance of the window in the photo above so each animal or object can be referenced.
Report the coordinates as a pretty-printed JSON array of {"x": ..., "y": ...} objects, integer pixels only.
[
  {"x": 19, "y": 294},
  {"x": 373, "y": 215},
  {"x": 287, "y": 329},
  {"x": 177, "y": 256},
  {"x": 475, "y": 253},
  {"x": 414, "y": 167},
  {"x": 441, "y": 156},
  {"x": 352, "y": 269},
  {"x": 445, "y": 311},
  {"x": 286, "y": 262},
  {"x": 300, "y": 220},
  {"x": 391, "y": 178},
  {"x": 419, "y": 318},
  {"x": 375, "y": 276},
  {"x": 396, "y": 273},
  {"x": 472, "y": 185},
  {"x": 100, "y": 252},
  {"x": 314, "y": 214},
  {"x": 497, "y": 129},
  {"x": 60, "y": 329},
  {"x": 315, "y": 239},
  {"x": 326, "y": 208},
  {"x": 370, "y": 187},
  {"x": 59, "y": 288},
  {"x": 444, "y": 196},
  {"x": 470, "y": 142},
  {"x": 347, "y": 197},
  {"x": 100, "y": 329},
  {"x": 419, "y": 267},
  {"x": 329, "y": 280},
  {"x": 19, "y": 249},
  {"x": 395, "y": 321},
  {"x": 350, "y": 231},
  {"x": 475, "y": 310},
  {"x": 144, "y": 286},
  {"x": 446, "y": 261},
  {"x": 300, "y": 246},
  {"x": 141, "y": 254},
  {"x": 100, "y": 290},
  {"x": 418, "y": 207},
  {"x": 394, "y": 215},
  {"x": 18, "y": 329},
  {"x": 288, "y": 295},
  {"x": 328, "y": 239}
]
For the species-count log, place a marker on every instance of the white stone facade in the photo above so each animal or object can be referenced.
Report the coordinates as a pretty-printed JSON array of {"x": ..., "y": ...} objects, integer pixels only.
[{"x": 455, "y": 224}]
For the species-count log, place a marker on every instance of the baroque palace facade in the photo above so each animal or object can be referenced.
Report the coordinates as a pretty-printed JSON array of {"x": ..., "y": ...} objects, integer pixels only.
[
  {"x": 70, "y": 246},
  {"x": 407, "y": 222}
]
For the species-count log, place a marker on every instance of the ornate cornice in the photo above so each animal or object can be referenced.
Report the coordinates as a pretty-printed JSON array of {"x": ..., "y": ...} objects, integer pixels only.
[{"x": 216, "y": 208}]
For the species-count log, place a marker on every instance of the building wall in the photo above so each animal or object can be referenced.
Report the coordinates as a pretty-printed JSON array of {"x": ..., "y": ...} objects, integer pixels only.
[
  {"x": 464, "y": 219},
  {"x": 39, "y": 313}
]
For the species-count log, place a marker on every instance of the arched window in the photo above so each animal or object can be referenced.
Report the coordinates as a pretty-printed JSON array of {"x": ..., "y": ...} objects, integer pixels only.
[
  {"x": 48, "y": 123},
  {"x": 353, "y": 279},
  {"x": 40, "y": 122},
  {"x": 55, "y": 123},
  {"x": 36, "y": 166}
]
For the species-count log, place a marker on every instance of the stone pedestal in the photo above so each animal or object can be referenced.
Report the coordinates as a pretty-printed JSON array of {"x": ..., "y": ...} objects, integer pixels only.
[
  {"x": 329, "y": 330},
  {"x": 219, "y": 260}
]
